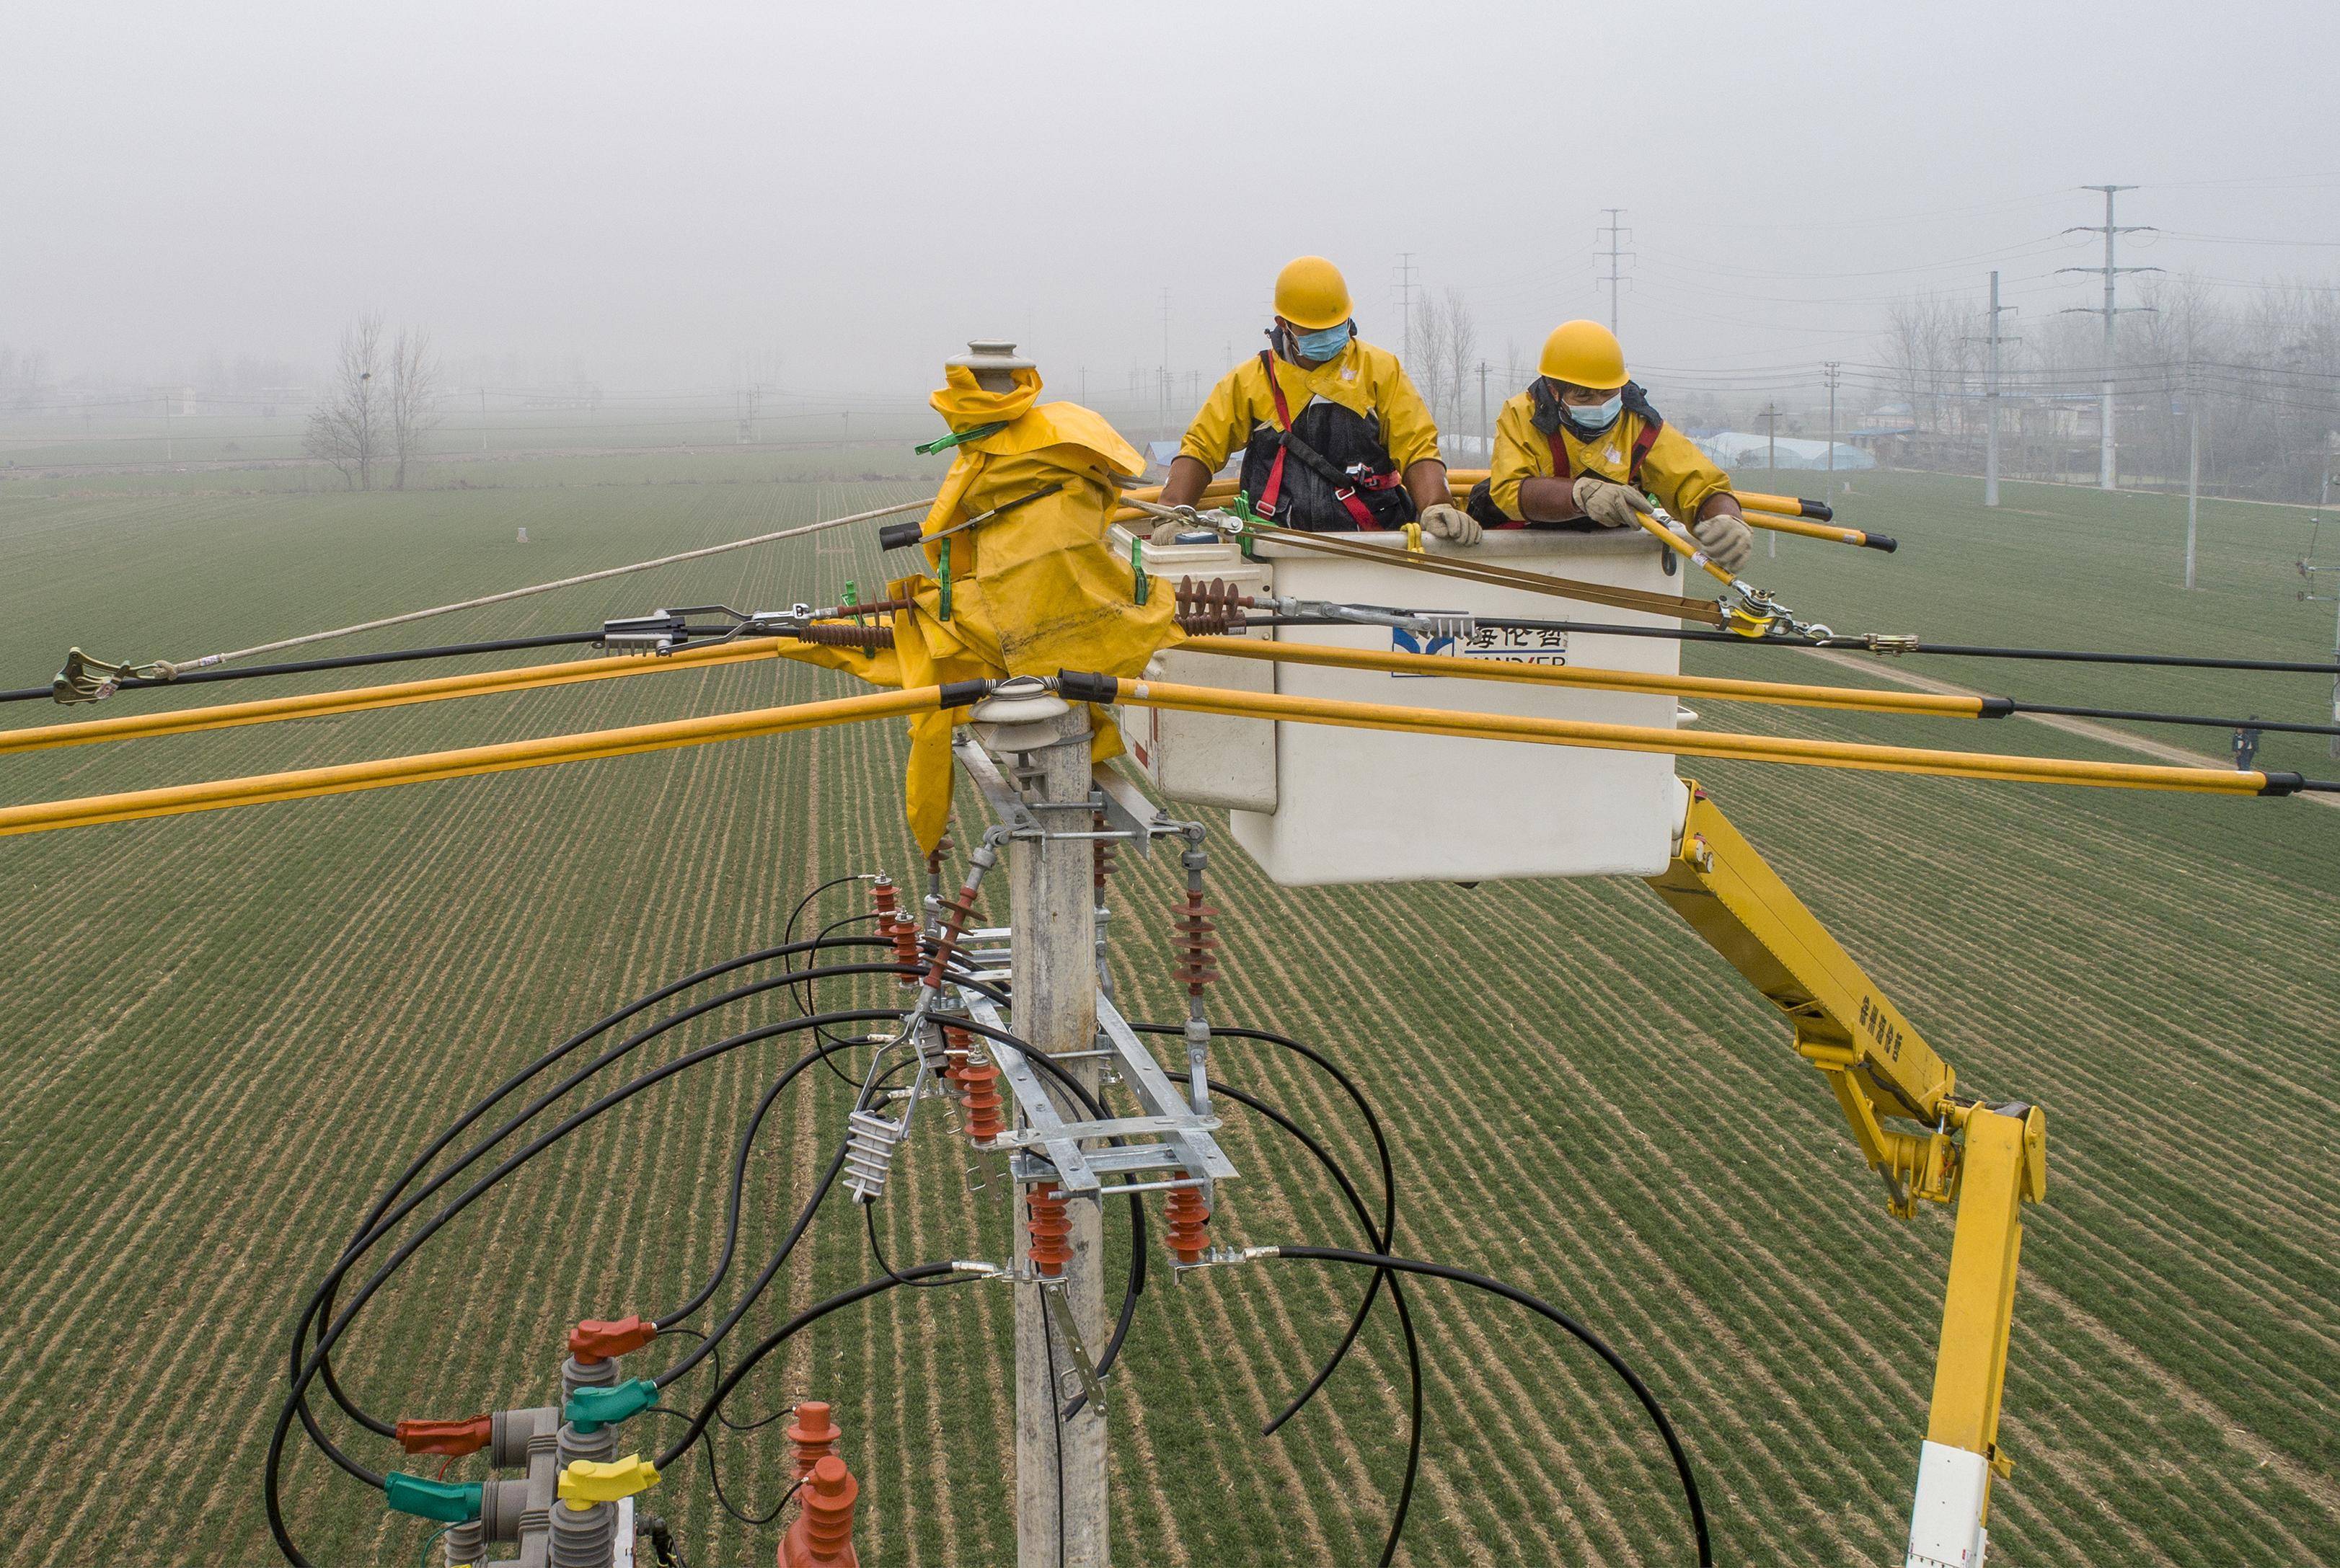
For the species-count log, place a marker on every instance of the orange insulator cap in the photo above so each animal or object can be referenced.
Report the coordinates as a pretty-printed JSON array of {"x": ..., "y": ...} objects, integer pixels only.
[
  {"x": 1189, "y": 1240},
  {"x": 814, "y": 1434},
  {"x": 452, "y": 1438},
  {"x": 595, "y": 1340},
  {"x": 822, "y": 1535},
  {"x": 1050, "y": 1230}
]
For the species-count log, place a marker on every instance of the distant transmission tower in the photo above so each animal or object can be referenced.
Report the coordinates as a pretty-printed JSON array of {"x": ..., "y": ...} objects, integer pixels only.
[
  {"x": 1614, "y": 233},
  {"x": 2111, "y": 313}
]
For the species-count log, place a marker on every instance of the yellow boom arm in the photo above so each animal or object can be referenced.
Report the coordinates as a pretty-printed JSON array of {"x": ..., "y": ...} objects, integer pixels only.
[{"x": 1990, "y": 1159}]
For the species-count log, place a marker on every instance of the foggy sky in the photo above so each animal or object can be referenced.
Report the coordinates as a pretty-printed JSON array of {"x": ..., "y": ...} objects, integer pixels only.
[{"x": 857, "y": 188}]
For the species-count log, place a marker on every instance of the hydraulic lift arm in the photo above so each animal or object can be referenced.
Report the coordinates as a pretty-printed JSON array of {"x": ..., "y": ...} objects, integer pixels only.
[{"x": 1989, "y": 1158}]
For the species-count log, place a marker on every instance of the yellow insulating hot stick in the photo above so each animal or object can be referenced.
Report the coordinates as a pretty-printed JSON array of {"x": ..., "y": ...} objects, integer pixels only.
[
  {"x": 356, "y": 699},
  {"x": 1781, "y": 513},
  {"x": 1833, "y": 533},
  {"x": 1720, "y": 688},
  {"x": 1682, "y": 743},
  {"x": 552, "y": 749}
]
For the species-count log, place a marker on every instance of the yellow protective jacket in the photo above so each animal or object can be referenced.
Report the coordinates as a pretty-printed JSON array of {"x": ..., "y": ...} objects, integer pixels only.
[
  {"x": 1361, "y": 378},
  {"x": 1673, "y": 469},
  {"x": 1033, "y": 590}
]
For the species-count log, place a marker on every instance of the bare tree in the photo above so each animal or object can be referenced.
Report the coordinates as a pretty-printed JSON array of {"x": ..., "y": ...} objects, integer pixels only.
[
  {"x": 346, "y": 428},
  {"x": 1461, "y": 359},
  {"x": 413, "y": 397}
]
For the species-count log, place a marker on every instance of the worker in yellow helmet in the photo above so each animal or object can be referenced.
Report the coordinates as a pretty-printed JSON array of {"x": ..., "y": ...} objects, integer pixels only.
[
  {"x": 1334, "y": 438},
  {"x": 1582, "y": 449}
]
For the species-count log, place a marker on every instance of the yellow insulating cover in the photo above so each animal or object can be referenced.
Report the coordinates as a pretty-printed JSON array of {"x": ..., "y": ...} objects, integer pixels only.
[
  {"x": 1032, "y": 591},
  {"x": 586, "y": 1481}
]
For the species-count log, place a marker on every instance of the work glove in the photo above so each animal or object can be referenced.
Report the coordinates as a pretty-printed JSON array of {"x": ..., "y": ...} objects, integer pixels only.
[
  {"x": 1727, "y": 542},
  {"x": 1607, "y": 502},
  {"x": 1447, "y": 522},
  {"x": 1167, "y": 530}
]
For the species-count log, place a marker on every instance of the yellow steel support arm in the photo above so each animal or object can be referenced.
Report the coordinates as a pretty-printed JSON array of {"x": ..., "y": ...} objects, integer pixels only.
[{"x": 1991, "y": 1160}]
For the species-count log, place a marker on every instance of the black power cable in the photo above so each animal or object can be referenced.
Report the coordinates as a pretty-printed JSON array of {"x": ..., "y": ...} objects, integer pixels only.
[
  {"x": 383, "y": 1217},
  {"x": 331, "y": 1331},
  {"x": 1544, "y": 1309},
  {"x": 1397, "y": 1298},
  {"x": 1389, "y": 1192},
  {"x": 693, "y": 636}
]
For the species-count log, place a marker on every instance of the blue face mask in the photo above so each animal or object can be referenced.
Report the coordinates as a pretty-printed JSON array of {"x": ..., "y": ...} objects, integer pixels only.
[
  {"x": 1324, "y": 345},
  {"x": 1594, "y": 416}
]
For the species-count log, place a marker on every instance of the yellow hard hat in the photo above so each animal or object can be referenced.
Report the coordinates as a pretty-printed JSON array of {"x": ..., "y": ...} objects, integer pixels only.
[
  {"x": 1584, "y": 354},
  {"x": 1312, "y": 295}
]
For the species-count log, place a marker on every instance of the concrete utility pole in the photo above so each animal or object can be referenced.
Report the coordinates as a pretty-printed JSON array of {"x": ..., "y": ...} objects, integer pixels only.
[
  {"x": 1991, "y": 399},
  {"x": 1054, "y": 971},
  {"x": 2110, "y": 311},
  {"x": 1771, "y": 436},
  {"x": 483, "y": 418},
  {"x": 1834, "y": 368},
  {"x": 2193, "y": 468},
  {"x": 1615, "y": 256}
]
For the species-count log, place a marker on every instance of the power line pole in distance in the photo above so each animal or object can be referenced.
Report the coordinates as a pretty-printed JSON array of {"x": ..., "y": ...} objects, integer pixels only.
[
  {"x": 1406, "y": 300},
  {"x": 1990, "y": 398},
  {"x": 2110, "y": 311},
  {"x": 1615, "y": 256}
]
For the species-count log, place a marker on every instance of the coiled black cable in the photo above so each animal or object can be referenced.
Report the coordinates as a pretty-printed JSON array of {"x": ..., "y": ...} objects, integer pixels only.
[{"x": 1542, "y": 1308}]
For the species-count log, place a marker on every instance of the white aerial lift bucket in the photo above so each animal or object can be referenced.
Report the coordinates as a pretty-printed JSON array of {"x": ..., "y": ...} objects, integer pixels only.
[{"x": 1315, "y": 804}]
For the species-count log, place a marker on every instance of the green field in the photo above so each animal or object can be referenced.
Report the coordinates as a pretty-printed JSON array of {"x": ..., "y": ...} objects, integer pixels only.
[{"x": 225, "y": 1031}]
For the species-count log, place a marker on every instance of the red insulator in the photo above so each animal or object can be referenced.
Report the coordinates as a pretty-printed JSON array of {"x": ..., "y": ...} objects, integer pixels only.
[
  {"x": 1193, "y": 943},
  {"x": 822, "y": 1535},
  {"x": 1051, "y": 1231},
  {"x": 905, "y": 935},
  {"x": 1190, "y": 1241},
  {"x": 881, "y": 893},
  {"x": 957, "y": 913},
  {"x": 955, "y": 1047},
  {"x": 943, "y": 846},
  {"x": 814, "y": 1434},
  {"x": 984, "y": 1119},
  {"x": 1101, "y": 858}
]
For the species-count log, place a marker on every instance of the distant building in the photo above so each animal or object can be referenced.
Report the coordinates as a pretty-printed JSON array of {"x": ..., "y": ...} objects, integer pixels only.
[{"x": 1752, "y": 449}]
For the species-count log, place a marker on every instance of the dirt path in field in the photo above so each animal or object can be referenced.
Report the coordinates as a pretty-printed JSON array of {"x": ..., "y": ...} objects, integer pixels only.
[{"x": 2104, "y": 734}]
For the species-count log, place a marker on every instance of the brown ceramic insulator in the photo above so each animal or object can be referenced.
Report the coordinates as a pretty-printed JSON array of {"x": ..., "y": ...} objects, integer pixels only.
[
  {"x": 986, "y": 1117},
  {"x": 1189, "y": 1238},
  {"x": 881, "y": 893},
  {"x": 943, "y": 846},
  {"x": 1051, "y": 1231},
  {"x": 874, "y": 608},
  {"x": 904, "y": 935},
  {"x": 1194, "y": 944},
  {"x": 955, "y": 1045},
  {"x": 822, "y": 1535},
  {"x": 957, "y": 913},
  {"x": 814, "y": 1434},
  {"x": 1210, "y": 608},
  {"x": 846, "y": 634},
  {"x": 1101, "y": 861}
]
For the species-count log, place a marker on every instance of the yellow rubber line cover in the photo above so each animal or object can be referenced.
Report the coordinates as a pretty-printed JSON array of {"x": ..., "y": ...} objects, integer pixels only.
[
  {"x": 1720, "y": 688},
  {"x": 548, "y": 752},
  {"x": 1689, "y": 743},
  {"x": 268, "y": 710}
]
